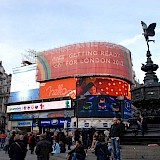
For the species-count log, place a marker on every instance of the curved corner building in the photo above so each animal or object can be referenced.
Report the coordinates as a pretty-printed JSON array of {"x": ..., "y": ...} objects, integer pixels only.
[{"x": 100, "y": 72}]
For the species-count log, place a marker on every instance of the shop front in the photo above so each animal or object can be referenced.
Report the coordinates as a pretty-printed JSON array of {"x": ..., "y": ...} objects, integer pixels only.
[
  {"x": 52, "y": 124},
  {"x": 24, "y": 125}
]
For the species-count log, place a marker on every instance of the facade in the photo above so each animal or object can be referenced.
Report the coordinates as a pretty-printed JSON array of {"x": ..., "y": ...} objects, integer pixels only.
[
  {"x": 94, "y": 75},
  {"x": 77, "y": 85},
  {"x": 5, "y": 82}
]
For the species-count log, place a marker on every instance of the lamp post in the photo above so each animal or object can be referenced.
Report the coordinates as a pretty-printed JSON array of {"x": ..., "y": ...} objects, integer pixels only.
[{"x": 121, "y": 99}]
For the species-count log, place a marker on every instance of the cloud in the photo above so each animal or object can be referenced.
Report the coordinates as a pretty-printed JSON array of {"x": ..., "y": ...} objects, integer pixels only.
[
  {"x": 129, "y": 41},
  {"x": 10, "y": 57}
]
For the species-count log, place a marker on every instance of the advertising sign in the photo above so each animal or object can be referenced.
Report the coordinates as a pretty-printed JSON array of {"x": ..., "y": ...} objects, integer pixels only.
[
  {"x": 39, "y": 106},
  {"x": 58, "y": 88},
  {"x": 54, "y": 122},
  {"x": 49, "y": 114},
  {"x": 85, "y": 59},
  {"x": 102, "y": 86},
  {"x": 102, "y": 106},
  {"x": 23, "y": 84}
]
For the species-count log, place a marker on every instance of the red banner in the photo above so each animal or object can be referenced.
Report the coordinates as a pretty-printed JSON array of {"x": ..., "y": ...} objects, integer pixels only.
[{"x": 85, "y": 59}]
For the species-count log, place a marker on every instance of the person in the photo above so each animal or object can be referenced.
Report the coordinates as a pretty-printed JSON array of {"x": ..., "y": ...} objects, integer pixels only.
[
  {"x": 62, "y": 147},
  {"x": 143, "y": 124},
  {"x": 121, "y": 127},
  {"x": 69, "y": 140},
  {"x": 3, "y": 137},
  {"x": 32, "y": 143},
  {"x": 95, "y": 138},
  {"x": 114, "y": 135},
  {"x": 6, "y": 144},
  {"x": 29, "y": 141},
  {"x": 91, "y": 133},
  {"x": 11, "y": 140},
  {"x": 101, "y": 149},
  {"x": 43, "y": 148},
  {"x": 55, "y": 148},
  {"x": 77, "y": 153},
  {"x": 92, "y": 89},
  {"x": 17, "y": 150}
]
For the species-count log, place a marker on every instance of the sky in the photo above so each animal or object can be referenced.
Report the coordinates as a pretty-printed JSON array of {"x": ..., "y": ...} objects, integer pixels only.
[{"x": 46, "y": 24}]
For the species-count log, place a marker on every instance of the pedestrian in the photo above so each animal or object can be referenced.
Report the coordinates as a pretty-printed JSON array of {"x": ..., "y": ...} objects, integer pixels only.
[
  {"x": 62, "y": 147},
  {"x": 101, "y": 149},
  {"x": 77, "y": 153},
  {"x": 43, "y": 148},
  {"x": 11, "y": 140},
  {"x": 32, "y": 143},
  {"x": 17, "y": 150},
  {"x": 55, "y": 148},
  {"x": 6, "y": 144},
  {"x": 94, "y": 141},
  {"x": 91, "y": 133},
  {"x": 114, "y": 135},
  {"x": 143, "y": 124}
]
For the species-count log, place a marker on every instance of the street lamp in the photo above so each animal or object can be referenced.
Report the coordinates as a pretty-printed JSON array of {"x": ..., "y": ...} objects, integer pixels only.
[{"x": 121, "y": 99}]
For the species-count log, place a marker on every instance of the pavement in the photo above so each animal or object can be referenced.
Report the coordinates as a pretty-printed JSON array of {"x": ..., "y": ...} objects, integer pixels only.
[
  {"x": 128, "y": 152},
  {"x": 61, "y": 156}
]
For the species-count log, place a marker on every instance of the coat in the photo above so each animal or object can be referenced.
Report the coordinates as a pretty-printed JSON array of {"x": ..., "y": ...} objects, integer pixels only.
[
  {"x": 56, "y": 148},
  {"x": 17, "y": 150},
  {"x": 101, "y": 151},
  {"x": 43, "y": 149}
]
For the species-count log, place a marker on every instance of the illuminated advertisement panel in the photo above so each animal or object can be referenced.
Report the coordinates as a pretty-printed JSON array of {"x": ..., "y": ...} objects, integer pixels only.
[
  {"x": 23, "y": 84},
  {"x": 48, "y": 114},
  {"x": 102, "y": 107},
  {"x": 58, "y": 88},
  {"x": 39, "y": 106},
  {"x": 102, "y": 86},
  {"x": 85, "y": 59}
]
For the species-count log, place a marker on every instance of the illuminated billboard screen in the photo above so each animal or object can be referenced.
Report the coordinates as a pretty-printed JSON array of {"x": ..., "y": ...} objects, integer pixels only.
[
  {"x": 102, "y": 86},
  {"x": 102, "y": 107},
  {"x": 85, "y": 59},
  {"x": 39, "y": 106},
  {"x": 58, "y": 88},
  {"x": 23, "y": 84}
]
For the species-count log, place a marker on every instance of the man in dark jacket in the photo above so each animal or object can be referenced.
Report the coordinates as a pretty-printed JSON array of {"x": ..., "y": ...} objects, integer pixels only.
[
  {"x": 114, "y": 135},
  {"x": 77, "y": 153},
  {"x": 17, "y": 150},
  {"x": 43, "y": 148}
]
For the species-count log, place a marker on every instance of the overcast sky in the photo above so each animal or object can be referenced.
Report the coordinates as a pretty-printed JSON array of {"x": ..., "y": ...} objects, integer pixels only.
[{"x": 45, "y": 24}]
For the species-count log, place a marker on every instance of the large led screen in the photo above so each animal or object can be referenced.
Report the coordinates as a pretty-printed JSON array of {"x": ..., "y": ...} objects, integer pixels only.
[
  {"x": 102, "y": 86},
  {"x": 58, "y": 88},
  {"x": 23, "y": 84},
  {"x": 102, "y": 107},
  {"x": 85, "y": 59}
]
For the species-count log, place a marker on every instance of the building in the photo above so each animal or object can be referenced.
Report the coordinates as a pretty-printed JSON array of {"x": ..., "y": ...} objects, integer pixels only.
[
  {"x": 80, "y": 85},
  {"x": 5, "y": 82}
]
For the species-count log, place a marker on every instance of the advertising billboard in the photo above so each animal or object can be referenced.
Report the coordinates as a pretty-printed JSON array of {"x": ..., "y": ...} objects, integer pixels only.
[
  {"x": 102, "y": 86},
  {"x": 39, "y": 106},
  {"x": 85, "y": 59},
  {"x": 35, "y": 115},
  {"x": 58, "y": 88},
  {"x": 23, "y": 84},
  {"x": 102, "y": 106}
]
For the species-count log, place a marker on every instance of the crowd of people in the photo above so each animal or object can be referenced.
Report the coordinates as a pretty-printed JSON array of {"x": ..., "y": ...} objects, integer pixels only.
[{"x": 100, "y": 143}]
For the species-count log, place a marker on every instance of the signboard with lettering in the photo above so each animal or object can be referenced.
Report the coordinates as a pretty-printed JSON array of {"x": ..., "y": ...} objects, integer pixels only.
[
  {"x": 85, "y": 59},
  {"x": 54, "y": 122},
  {"x": 39, "y": 106},
  {"x": 58, "y": 88}
]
